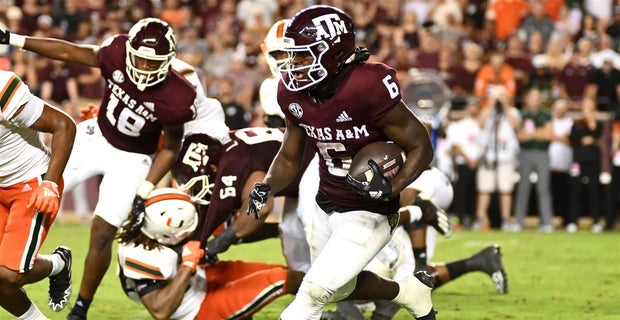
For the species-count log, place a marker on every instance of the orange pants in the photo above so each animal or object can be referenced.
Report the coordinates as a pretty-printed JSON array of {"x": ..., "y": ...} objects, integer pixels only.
[
  {"x": 238, "y": 289},
  {"x": 22, "y": 230}
]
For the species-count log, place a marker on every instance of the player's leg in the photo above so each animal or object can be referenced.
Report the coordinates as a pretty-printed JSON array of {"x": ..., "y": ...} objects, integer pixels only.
[
  {"x": 237, "y": 289},
  {"x": 487, "y": 260},
  {"x": 294, "y": 243},
  {"x": 22, "y": 232},
  {"x": 123, "y": 173}
]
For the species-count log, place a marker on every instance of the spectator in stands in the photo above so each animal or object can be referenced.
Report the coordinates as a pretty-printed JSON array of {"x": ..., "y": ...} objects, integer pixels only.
[
  {"x": 462, "y": 136},
  {"x": 520, "y": 60},
  {"x": 571, "y": 81},
  {"x": 463, "y": 74},
  {"x": 506, "y": 16},
  {"x": 534, "y": 135},
  {"x": 560, "y": 156},
  {"x": 498, "y": 161},
  {"x": 495, "y": 73},
  {"x": 537, "y": 20},
  {"x": 586, "y": 168}
]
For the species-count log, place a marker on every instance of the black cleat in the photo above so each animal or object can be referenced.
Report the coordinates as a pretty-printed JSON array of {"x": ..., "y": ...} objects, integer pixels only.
[
  {"x": 60, "y": 284},
  {"x": 490, "y": 260},
  {"x": 433, "y": 215},
  {"x": 76, "y": 314}
]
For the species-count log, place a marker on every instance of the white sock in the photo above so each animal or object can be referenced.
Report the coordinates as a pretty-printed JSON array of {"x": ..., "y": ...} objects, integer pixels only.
[
  {"x": 33, "y": 313},
  {"x": 57, "y": 263}
]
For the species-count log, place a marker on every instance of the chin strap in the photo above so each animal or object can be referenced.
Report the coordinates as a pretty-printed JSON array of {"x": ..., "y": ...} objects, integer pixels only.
[{"x": 332, "y": 82}]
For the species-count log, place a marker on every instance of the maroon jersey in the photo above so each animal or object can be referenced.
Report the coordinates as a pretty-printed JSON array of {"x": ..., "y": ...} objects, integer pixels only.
[
  {"x": 251, "y": 149},
  {"x": 341, "y": 126},
  {"x": 130, "y": 119}
]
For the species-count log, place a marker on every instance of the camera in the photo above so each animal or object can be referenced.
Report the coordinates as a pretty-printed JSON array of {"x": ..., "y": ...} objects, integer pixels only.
[{"x": 498, "y": 107}]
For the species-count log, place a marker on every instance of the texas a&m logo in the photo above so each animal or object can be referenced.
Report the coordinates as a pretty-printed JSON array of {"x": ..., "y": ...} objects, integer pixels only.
[{"x": 329, "y": 26}]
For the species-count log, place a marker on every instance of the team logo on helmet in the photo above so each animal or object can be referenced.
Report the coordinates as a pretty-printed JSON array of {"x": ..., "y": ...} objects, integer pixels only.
[
  {"x": 329, "y": 26},
  {"x": 296, "y": 110}
]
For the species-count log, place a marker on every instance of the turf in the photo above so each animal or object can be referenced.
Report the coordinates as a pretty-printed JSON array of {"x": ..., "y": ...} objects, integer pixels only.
[{"x": 551, "y": 276}]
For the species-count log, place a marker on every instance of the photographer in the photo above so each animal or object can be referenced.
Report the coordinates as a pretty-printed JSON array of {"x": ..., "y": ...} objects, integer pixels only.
[{"x": 498, "y": 140}]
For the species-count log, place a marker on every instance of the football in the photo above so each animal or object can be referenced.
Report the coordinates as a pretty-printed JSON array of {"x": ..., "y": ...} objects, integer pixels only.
[{"x": 389, "y": 156}]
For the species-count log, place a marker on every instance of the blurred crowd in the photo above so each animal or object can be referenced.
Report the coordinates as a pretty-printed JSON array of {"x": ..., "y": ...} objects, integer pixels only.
[{"x": 533, "y": 84}]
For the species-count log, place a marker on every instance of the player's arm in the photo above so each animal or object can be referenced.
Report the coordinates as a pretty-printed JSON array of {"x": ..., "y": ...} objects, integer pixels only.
[
  {"x": 53, "y": 48},
  {"x": 165, "y": 157},
  {"x": 406, "y": 130},
  {"x": 162, "y": 303},
  {"x": 62, "y": 128},
  {"x": 287, "y": 161}
]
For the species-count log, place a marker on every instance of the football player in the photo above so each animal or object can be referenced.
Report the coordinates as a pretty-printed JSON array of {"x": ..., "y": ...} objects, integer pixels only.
[
  {"x": 159, "y": 268},
  {"x": 31, "y": 186},
  {"x": 142, "y": 98},
  {"x": 337, "y": 103},
  {"x": 414, "y": 249},
  {"x": 275, "y": 57},
  {"x": 219, "y": 179}
]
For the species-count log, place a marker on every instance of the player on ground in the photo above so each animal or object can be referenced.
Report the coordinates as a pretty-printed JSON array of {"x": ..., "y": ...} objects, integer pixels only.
[
  {"x": 142, "y": 98},
  {"x": 159, "y": 268},
  {"x": 30, "y": 191},
  {"x": 338, "y": 103}
]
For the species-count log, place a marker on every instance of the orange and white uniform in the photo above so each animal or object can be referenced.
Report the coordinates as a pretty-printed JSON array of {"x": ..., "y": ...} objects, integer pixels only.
[
  {"x": 23, "y": 159},
  {"x": 226, "y": 290}
]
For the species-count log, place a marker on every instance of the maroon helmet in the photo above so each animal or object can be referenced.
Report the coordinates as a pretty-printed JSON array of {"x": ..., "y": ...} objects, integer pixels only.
[
  {"x": 326, "y": 34},
  {"x": 151, "y": 39},
  {"x": 195, "y": 167}
]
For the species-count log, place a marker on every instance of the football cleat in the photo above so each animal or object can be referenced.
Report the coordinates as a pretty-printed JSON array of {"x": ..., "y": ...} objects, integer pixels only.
[
  {"x": 60, "y": 284},
  {"x": 415, "y": 295},
  {"x": 434, "y": 215},
  {"x": 490, "y": 260}
]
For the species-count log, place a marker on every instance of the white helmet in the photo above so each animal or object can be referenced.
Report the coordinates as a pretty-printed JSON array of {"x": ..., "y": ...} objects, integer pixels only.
[
  {"x": 170, "y": 216},
  {"x": 154, "y": 40},
  {"x": 274, "y": 55}
]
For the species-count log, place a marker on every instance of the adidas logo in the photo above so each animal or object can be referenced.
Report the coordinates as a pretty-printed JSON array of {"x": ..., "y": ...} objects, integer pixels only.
[
  {"x": 26, "y": 188},
  {"x": 344, "y": 117}
]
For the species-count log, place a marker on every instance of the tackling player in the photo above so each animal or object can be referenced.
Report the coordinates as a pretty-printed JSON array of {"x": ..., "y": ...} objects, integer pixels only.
[
  {"x": 142, "y": 98},
  {"x": 337, "y": 103},
  {"x": 30, "y": 191},
  {"x": 159, "y": 268}
]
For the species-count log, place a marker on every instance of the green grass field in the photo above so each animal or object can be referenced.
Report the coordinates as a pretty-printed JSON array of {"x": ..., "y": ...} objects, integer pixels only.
[{"x": 551, "y": 276}]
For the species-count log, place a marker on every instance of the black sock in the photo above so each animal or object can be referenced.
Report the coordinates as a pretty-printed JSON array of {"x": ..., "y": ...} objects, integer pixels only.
[
  {"x": 419, "y": 254},
  {"x": 457, "y": 268},
  {"x": 81, "y": 305}
]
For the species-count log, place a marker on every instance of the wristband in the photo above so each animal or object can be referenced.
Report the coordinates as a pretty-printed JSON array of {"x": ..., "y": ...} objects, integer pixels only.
[
  {"x": 144, "y": 189},
  {"x": 415, "y": 213},
  {"x": 17, "y": 40}
]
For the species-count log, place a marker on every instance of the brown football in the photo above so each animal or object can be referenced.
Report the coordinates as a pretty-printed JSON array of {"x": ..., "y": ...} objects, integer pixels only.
[{"x": 389, "y": 156}]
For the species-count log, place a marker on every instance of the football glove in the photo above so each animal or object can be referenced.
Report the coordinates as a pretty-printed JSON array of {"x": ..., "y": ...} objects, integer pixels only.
[
  {"x": 191, "y": 255},
  {"x": 377, "y": 188},
  {"x": 222, "y": 241},
  {"x": 45, "y": 198},
  {"x": 89, "y": 112},
  {"x": 138, "y": 211},
  {"x": 433, "y": 215},
  {"x": 5, "y": 36},
  {"x": 258, "y": 198}
]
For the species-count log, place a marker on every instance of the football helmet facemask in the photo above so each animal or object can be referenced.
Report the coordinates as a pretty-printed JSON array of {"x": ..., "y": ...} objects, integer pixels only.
[
  {"x": 195, "y": 167},
  {"x": 170, "y": 216},
  {"x": 271, "y": 47},
  {"x": 153, "y": 40},
  {"x": 324, "y": 33}
]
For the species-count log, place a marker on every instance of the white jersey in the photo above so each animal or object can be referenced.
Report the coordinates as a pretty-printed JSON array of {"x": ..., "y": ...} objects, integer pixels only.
[
  {"x": 137, "y": 263},
  {"x": 210, "y": 118},
  {"x": 268, "y": 97},
  {"x": 23, "y": 155},
  {"x": 436, "y": 184}
]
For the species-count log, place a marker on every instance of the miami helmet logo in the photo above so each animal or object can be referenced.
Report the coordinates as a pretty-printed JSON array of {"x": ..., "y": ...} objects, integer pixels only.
[{"x": 329, "y": 26}]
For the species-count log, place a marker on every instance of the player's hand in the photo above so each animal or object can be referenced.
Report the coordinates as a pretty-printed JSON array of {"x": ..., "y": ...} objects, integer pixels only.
[
  {"x": 433, "y": 215},
  {"x": 89, "y": 112},
  {"x": 377, "y": 188},
  {"x": 191, "y": 255},
  {"x": 45, "y": 197},
  {"x": 258, "y": 198},
  {"x": 138, "y": 212},
  {"x": 5, "y": 36},
  {"x": 222, "y": 241}
]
